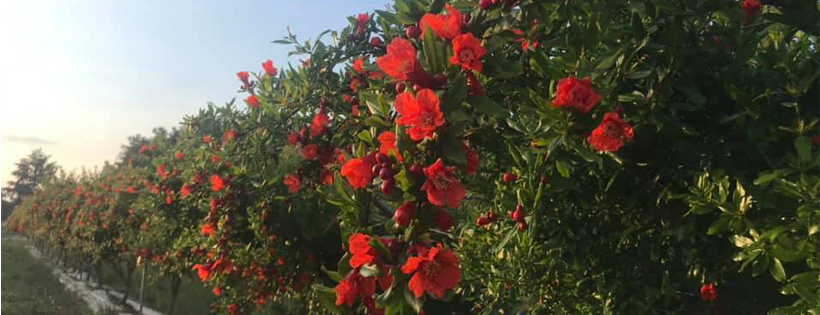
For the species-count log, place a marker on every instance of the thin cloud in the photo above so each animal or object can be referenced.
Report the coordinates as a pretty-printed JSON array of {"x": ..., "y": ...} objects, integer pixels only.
[{"x": 27, "y": 140}]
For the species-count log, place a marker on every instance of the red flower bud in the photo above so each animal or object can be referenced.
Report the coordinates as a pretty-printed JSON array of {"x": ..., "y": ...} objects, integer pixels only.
[
  {"x": 509, "y": 177},
  {"x": 412, "y": 31},
  {"x": 376, "y": 42},
  {"x": 444, "y": 221},
  {"x": 405, "y": 213},
  {"x": 708, "y": 292}
]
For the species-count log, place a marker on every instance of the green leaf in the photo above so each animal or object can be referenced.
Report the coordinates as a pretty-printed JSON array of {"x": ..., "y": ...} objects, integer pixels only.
[
  {"x": 777, "y": 271},
  {"x": 369, "y": 270},
  {"x": 562, "y": 168},
  {"x": 487, "y": 106},
  {"x": 332, "y": 274},
  {"x": 609, "y": 61},
  {"x": 506, "y": 240},
  {"x": 502, "y": 68},
  {"x": 454, "y": 96},
  {"x": 803, "y": 146},
  {"x": 451, "y": 149},
  {"x": 741, "y": 241},
  {"x": 327, "y": 297},
  {"x": 637, "y": 75},
  {"x": 434, "y": 51},
  {"x": 436, "y": 6},
  {"x": 415, "y": 303}
]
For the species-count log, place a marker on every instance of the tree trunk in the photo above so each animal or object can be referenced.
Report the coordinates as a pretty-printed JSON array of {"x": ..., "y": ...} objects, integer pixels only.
[
  {"x": 98, "y": 269},
  {"x": 176, "y": 281},
  {"x": 127, "y": 279}
]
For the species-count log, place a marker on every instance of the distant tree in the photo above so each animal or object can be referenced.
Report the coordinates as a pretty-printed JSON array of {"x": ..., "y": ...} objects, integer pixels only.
[{"x": 31, "y": 171}]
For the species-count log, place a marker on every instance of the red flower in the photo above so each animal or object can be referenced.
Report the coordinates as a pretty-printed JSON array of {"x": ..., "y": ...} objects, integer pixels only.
[
  {"x": 293, "y": 182},
  {"x": 361, "y": 23},
  {"x": 444, "y": 221},
  {"x": 354, "y": 110},
  {"x": 610, "y": 134},
  {"x": 293, "y": 138},
  {"x": 216, "y": 183},
  {"x": 376, "y": 42},
  {"x": 358, "y": 65},
  {"x": 222, "y": 265},
  {"x": 185, "y": 191},
  {"x": 131, "y": 189},
  {"x": 209, "y": 230},
  {"x": 229, "y": 136},
  {"x": 310, "y": 151},
  {"x": 435, "y": 270},
  {"x": 144, "y": 149},
  {"x": 404, "y": 214},
  {"x": 269, "y": 68},
  {"x": 363, "y": 253},
  {"x": 576, "y": 94},
  {"x": 472, "y": 159},
  {"x": 752, "y": 7},
  {"x": 708, "y": 292},
  {"x": 155, "y": 190},
  {"x": 355, "y": 83},
  {"x": 180, "y": 155},
  {"x": 217, "y": 291},
  {"x": 401, "y": 63},
  {"x": 204, "y": 271},
  {"x": 387, "y": 140},
  {"x": 327, "y": 177},
  {"x": 445, "y": 26},
  {"x": 358, "y": 173},
  {"x": 441, "y": 186},
  {"x": 252, "y": 101},
  {"x": 169, "y": 197},
  {"x": 353, "y": 287},
  {"x": 320, "y": 121},
  {"x": 244, "y": 76},
  {"x": 468, "y": 52},
  {"x": 162, "y": 172},
  {"x": 423, "y": 114},
  {"x": 215, "y": 159}
]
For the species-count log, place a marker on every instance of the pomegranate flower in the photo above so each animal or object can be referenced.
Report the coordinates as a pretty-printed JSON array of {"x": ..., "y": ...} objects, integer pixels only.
[
  {"x": 468, "y": 52},
  {"x": 387, "y": 141},
  {"x": 401, "y": 64},
  {"x": 434, "y": 270},
  {"x": 445, "y": 26},
  {"x": 577, "y": 94},
  {"x": 421, "y": 113},
  {"x": 294, "y": 182},
  {"x": 442, "y": 187},
  {"x": 358, "y": 173},
  {"x": 320, "y": 121},
  {"x": 216, "y": 183},
  {"x": 611, "y": 134},
  {"x": 353, "y": 287},
  {"x": 270, "y": 70},
  {"x": 204, "y": 271},
  {"x": 252, "y": 101}
]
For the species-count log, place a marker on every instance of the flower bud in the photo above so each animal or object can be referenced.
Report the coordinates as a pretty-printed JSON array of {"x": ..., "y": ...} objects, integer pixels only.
[{"x": 404, "y": 214}]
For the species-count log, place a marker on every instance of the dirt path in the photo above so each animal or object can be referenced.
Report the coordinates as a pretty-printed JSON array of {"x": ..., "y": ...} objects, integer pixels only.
[{"x": 98, "y": 300}]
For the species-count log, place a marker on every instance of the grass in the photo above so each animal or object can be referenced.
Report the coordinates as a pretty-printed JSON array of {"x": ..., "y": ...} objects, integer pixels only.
[{"x": 29, "y": 287}]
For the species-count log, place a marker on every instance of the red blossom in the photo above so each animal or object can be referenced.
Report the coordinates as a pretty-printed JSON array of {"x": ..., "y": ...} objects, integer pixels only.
[
  {"x": 387, "y": 141},
  {"x": 208, "y": 230},
  {"x": 252, "y": 101},
  {"x": 577, "y": 94},
  {"x": 401, "y": 64},
  {"x": 361, "y": 23},
  {"x": 270, "y": 70},
  {"x": 445, "y": 26},
  {"x": 358, "y": 173},
  {"x": 229, "y": 136},
  {"x": 611, "y": 134},
  {"x": 442, "y": 187},
  {"x": 355, "y": 83},
  {"x": 363, "y": 253},
  {"x": 294, "y": 183},
  {"x": 179, "y": 155},
  {"x": 421, "y": 113},
  {"x": 216, "y": 183},
  {"x": 434, "y": 270},
  {"x": 353, "y": 287},
  {"x": 467, "y": 52},
  {"x": 708, "y": 292},
  {"x": 185, "y": 191},
  {"x": 320, "y": 121},
  {"x": 244, "y": 77},
  {"x": 358, "y": 65},
  {"x": 751, "y": 7},
  {"x": 204, "y": 271},
  {"x": 310, "y": 151}
]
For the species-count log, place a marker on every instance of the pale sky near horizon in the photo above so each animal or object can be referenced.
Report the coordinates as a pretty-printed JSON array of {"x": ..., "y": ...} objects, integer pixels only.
[{"x": 77, "y": 77}]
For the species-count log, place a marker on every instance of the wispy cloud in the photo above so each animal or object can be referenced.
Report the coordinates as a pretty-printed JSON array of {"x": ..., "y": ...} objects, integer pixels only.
[{"x": 27, "y": 140}]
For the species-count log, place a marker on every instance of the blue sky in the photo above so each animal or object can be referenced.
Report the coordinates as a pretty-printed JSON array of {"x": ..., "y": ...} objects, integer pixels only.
[{"x": 77, "y": 77}]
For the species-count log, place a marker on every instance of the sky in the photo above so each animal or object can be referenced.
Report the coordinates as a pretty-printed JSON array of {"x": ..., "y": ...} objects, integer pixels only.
[{"x": 77, "y": 77}]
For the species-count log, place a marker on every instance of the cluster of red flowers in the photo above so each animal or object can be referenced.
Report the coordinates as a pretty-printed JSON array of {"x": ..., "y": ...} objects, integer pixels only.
[{"x": 612, "y": 133}]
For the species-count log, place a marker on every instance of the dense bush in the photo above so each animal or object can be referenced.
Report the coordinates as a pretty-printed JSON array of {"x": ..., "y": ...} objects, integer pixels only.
[{"x": 535, "y": 157}]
